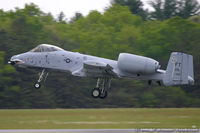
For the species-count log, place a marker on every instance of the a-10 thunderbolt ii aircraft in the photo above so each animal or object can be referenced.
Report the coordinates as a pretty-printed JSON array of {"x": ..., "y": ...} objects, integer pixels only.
[{"x": 179, "y": 69}]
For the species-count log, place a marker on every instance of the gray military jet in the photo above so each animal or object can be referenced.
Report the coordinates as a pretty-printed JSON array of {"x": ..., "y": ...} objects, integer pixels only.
[{"x": 179, "y": 69}]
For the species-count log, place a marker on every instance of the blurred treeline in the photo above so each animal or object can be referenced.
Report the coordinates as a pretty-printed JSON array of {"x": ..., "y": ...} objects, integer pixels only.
[{"x": 124, "y": 27}]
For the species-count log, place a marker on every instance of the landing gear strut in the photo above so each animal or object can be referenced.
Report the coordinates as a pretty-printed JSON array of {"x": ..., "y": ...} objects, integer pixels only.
[
  {"x": 37, "y": 85},
  {"x": 103, "y": 84}
]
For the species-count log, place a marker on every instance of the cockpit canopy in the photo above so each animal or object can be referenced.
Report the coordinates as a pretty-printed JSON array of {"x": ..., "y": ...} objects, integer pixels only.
[{"x": 46, "y": 48}]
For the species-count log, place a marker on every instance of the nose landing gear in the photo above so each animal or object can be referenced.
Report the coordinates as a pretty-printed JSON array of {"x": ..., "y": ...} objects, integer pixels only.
[{"x": 37, "y": 85}]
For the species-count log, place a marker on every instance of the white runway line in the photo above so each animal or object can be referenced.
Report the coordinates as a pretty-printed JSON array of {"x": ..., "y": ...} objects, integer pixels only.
[
  {"x": 70, "y": 131},
  {"x": 100, "y": 131}
]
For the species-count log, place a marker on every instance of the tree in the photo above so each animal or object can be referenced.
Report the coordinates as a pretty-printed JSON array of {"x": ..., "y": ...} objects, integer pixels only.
[
  {"x": 77, "y": 16},
  {"x": 189, "y": 8},
  {"x": 136, "y": 6},
  {"x": 32, "y": 10},
  {"x": 165, "y": 9},
  {"x": 9, "y": 90},
  {"x": 195, "y": 19},
  {"x": 170, "y": 8},
  {"x": 158, "y": 7},
  {"x": 61, "y": 17}
]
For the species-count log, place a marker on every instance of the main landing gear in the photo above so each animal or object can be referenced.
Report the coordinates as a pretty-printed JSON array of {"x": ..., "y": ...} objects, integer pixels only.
[
  {"x": 43, "y": 74},
  {"x": 103, "y": 84}
]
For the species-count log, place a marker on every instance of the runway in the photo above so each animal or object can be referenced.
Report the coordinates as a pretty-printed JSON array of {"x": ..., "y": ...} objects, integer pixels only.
[{"x": 100, "y": 131}]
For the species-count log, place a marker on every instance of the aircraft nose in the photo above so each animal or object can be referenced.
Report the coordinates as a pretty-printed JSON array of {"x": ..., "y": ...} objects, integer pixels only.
[
  {"x": 13, "y": 57},
  {"x": 11, "y": 63},
  {"x": 15, "y": 60}
]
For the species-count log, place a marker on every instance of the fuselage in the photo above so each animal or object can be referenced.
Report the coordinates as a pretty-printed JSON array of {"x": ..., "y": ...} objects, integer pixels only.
[{"x": 71, "y": 61}]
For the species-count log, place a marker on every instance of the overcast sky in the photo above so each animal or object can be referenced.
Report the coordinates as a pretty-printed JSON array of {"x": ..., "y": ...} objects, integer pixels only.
[{"x": 69, "y": 7}]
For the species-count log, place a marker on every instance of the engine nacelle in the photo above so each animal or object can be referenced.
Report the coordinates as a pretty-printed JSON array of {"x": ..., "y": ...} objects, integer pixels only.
[{"x": 137, "y": 64}]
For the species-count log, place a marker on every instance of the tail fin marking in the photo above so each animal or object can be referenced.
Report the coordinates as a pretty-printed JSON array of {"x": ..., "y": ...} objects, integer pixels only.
[{"x": 179, "y": 70}]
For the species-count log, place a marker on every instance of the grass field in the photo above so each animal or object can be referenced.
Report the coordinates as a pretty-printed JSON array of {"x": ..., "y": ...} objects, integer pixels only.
[{"x": 99, "y": 118}]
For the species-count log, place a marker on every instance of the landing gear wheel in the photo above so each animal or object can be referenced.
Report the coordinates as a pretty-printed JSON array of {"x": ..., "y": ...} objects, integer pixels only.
[
  {"x": 103, "y": 95},
  {"x": 37, "y": 85},
  {"x": 95, "y": 92}
]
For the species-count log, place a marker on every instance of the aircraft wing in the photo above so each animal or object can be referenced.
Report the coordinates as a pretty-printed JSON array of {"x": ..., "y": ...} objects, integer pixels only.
[{"x": 95, "y": 69}]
